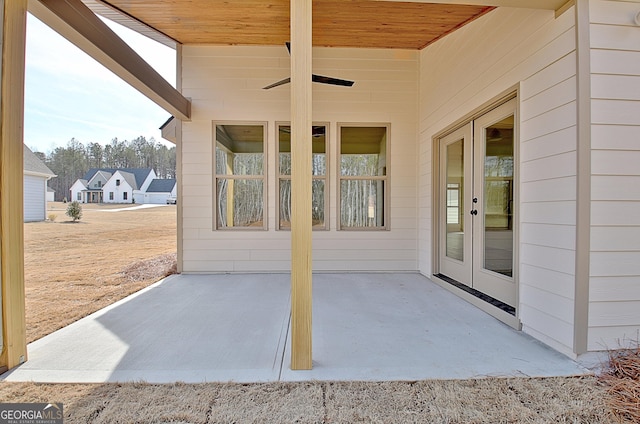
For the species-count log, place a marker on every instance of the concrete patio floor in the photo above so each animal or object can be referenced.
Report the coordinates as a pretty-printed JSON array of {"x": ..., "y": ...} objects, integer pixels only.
[{"x": 235, "y": 327}]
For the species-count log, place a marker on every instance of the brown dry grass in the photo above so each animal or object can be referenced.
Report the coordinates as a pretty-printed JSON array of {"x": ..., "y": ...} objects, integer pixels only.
[
  {"x": 74, "y": 269},
  {"x": 622, "y": 379},
  {"x": 514, "y": 400}
]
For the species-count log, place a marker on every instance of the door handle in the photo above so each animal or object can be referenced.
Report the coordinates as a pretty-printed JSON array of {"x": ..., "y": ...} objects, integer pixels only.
[{"x": 474, "y": 212}]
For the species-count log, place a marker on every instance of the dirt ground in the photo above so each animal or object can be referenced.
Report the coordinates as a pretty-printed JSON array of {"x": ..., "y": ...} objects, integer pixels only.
[{"x": 75, "y": 268}]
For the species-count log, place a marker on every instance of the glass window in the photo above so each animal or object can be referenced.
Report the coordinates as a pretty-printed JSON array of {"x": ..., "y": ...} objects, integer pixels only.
[
  {"x": 364, "y": 171},
  {"x": 111, "y": 195},
  {"x": 124, "y": 195},
  {"x": 319, "y": 176},
  {"x": 240, "y": 176}
]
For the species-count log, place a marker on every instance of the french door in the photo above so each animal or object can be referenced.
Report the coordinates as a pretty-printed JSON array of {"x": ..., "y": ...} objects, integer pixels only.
[{"x": 477, "y": 206}]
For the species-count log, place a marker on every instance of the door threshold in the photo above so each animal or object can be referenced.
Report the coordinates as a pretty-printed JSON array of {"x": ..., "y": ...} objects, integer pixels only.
[{"x": 494, "y": 307}]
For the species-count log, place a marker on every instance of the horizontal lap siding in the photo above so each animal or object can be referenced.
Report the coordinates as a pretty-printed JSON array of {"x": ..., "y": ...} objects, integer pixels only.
[
  {"x": 464, "y": 71},
  {"x": 225, "y": 84},
  {"x": 34, "y": 198},
  {"x": 614, "y": 309}
]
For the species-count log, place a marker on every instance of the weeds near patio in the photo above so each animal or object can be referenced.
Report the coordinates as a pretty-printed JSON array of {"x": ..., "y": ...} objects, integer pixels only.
[
  {"x": 623, "y": 384},
  {"x": 151, "y": 269}
]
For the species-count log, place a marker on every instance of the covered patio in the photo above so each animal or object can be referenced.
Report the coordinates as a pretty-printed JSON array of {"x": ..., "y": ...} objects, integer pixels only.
[{"x": 236, "y": 327}]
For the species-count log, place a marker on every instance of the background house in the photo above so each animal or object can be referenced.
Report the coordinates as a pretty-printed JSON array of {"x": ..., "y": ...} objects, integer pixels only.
[
  {"x": 51, "y": 194},
  {"x": 36, "y": 175},
  {"x": 126, "y": 185},
  {"x": 160, "y": 190}
]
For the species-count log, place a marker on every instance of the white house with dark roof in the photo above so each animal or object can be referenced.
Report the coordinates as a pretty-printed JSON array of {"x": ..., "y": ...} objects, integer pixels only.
[
  {"x": 36, "y": 175},
  {"x": 125, "y": 185},
  {"x": 160, "y": 191}
]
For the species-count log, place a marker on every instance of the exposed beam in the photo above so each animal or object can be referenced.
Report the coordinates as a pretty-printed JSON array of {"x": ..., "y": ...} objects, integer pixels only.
[
  {"x": 78, "y": 24},
  {"x": 527, "y": 4},
  {"x": 13, "y": 39},
  {"x": 301, "y": 146}
]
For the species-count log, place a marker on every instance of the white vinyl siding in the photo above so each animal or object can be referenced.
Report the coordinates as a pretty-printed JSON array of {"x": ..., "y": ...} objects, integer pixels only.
[
  {"x": 35, "y": 204},
  {"x": 225, "y": 84},
  {"x": 460, "y": 73},
  {"x": 614, "y": 308}
]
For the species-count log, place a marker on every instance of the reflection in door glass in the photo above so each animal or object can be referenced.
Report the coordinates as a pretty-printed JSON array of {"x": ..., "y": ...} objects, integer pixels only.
[
  {"x": 498, "y": 197},
  {"x": 455, "y": 200}
]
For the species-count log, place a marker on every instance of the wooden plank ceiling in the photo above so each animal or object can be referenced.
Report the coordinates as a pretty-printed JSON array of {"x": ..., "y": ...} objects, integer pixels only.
[{"x": 336, "y": 23}]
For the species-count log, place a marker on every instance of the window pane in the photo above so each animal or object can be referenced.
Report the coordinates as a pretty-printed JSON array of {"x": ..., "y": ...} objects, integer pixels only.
[
  {"x": 455, "y": 199},
  {"x": 319, "y": 164},
  {"x": 240, "y": 203},
  {"x": 361, "y": 165},
  {"x": 239, "y": 149},
  {"x": 317, "y": 203},
  {"x": 361, "y": 203},
  {"x": 363, "y": 151},
  {"x": 498, "y": 197}
]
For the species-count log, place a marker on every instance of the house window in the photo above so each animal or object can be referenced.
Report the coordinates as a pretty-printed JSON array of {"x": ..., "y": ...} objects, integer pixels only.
[
  {"x": 240, "y": 184},
  {"x": 99, "y": 184},
  {"x": 319, "y": 201},
  {"x": 364, "y": 184},
  {"x": 111, "y": 195},
  {"x": 79, "y": 196},
  {"x": 124, "y": 195},
  {"x": 117, "y": 182}
]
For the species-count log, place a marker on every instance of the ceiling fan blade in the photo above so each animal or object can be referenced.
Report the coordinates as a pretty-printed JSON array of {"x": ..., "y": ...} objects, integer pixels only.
[
  {"x": 276, "y": 84},
  {"x": 329, "y": 80}
]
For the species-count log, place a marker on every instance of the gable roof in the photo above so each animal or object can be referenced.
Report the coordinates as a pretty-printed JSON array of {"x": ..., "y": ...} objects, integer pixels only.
[
  {"x": 139, "y": 174},
  {"x": 105, "y": 174},
  {"x": 162, "y": 186},
  {"x": 130, "y": 179},
  {"x": 33, "y": 164},
  {"x": 82, "y": 181}
]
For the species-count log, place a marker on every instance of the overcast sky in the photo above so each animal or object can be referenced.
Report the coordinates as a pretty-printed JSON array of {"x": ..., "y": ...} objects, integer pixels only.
[{"x": 70, "y": 95}]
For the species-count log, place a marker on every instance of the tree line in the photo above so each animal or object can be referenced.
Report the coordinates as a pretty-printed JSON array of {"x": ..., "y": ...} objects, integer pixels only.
[{"x": 73, "y": 161}]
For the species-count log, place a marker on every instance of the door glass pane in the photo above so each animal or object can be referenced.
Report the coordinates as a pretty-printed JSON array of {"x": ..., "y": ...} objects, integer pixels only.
[
  {"x": 498, "y": 197},
  {"x": 455, "y": 200}
]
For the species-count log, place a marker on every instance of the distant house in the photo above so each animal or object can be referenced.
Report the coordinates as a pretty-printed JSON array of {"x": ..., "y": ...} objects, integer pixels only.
[
  {"x": 51, "y": 194},
  {"x": 160, "y": 191},
  {"x": 125, "y": 185},
  {"x": 36, "y": 175}
]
